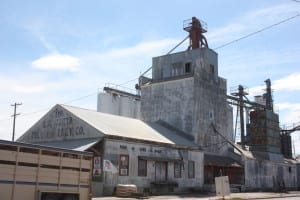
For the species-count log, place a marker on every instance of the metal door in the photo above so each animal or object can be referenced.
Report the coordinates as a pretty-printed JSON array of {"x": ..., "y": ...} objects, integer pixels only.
[{"x": 161, "y": 171}]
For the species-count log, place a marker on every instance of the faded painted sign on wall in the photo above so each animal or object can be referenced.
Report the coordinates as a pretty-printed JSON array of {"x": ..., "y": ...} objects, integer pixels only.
[
  {"x": 109, "y": 167},
  {"x": 58, "y": 124},
  {"x": 97, "y": 166}
]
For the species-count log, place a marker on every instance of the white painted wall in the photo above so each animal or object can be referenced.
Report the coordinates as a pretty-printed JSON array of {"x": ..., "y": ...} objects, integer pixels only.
[
  {"x": 113, "y": 151},
  {"x": 119, "y": 105},
  {"x": 267, "y": 174}
]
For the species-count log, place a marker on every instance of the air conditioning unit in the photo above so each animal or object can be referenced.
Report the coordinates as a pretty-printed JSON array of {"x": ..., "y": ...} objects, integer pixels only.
[{"x": 123, "y": 171}]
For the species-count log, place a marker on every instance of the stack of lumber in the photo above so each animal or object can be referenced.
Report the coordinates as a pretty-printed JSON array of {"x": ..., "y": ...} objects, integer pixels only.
[{"x": 126, "y": 190}]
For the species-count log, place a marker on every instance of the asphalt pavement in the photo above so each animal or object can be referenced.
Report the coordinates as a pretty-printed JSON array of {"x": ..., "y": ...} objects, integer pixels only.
[{"x": 234, "y": 196}]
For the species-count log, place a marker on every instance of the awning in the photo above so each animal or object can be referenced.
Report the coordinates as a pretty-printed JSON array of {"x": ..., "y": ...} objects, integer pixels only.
[
  {"x": 220, "y": 161},
  {"x": 162, "y": 159},
  {"x": 78, "y": 144}
]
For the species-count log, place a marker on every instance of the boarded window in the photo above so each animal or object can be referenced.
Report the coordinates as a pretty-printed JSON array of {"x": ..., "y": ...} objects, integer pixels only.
[
  {"x": 191, "y": 169},
  {"x": 212, "y": 68},
  {"x": 187, "y": 68},
  {"x": 142, "y": 167},
  {"x": 211, "y": 115},
  {"x": 124, "y": 165},
  {"x": 177, "y": 170},
  {"x": 177, "y": 69}
]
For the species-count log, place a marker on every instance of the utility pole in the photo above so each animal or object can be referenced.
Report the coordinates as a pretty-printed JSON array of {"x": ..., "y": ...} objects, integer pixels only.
[
  {"x": 240, "y": 93},
  {"x": 241, "y": 104},
  {"x": 14, "y": 116}
]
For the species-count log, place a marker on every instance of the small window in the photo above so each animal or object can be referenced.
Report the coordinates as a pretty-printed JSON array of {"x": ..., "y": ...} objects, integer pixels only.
[
  {"x": 143, "y": 149},
  {"x": 212, "y": 68},
  {"x": 290, "y": 169},
  {"x": 124, "y": 165},
  {"x": 191, "y": 169},
  {"x": 187, "y": 68},
  {"x": 142, "y": 167},
  {"x": 157, "y": 151},
  {"x": 211, "y": 115},
  {"x": 177, "y": 170}
]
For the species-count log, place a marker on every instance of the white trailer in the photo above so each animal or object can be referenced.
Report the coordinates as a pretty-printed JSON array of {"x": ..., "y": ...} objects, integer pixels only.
[{"x": 41, "y": 173}]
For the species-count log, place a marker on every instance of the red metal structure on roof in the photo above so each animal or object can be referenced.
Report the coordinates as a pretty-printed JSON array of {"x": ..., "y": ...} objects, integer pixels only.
[{"x": 196, "y": 28}]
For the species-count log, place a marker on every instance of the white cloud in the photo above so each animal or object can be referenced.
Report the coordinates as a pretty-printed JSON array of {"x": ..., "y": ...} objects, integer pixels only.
[
  {"x": 258, "y": 90},
  {"x": 250, "y": 22},
  {"x": 289, "y": 106},
  {"x": 57, "y": 62},
  {"x": 25, "y": 85},
  {"x": 28, "y": 89},
  {"x": 122, "y": 64},
  {"x": 289, "y": 83},
  {"x": 289, "y": 113},
  {"x": 145, "y": 48},
  {"x": 296, "y": 143},
  {"x": 276, "y": 12}
]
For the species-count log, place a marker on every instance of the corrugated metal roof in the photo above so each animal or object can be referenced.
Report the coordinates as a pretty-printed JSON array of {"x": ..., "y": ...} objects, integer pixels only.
[
  {"x": 60, "y": 147},
  {"x": 78, "y": 145},
  {"x": 128, "y": 127}
]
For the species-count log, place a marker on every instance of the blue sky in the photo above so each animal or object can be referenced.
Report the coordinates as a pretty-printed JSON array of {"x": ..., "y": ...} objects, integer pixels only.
[{"x": 58, "y": 51}]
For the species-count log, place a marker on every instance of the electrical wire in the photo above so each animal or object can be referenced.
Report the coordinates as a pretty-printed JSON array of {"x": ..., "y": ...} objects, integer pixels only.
[
  {"x": 258, "y": 31},
  {"x": 219, "y": 47},
  {"x": 233, "y": 41},
  {"x": 127, "y": 82},
  {"x": 47, "y": 108},
  {"x": 79, "y": 98}
]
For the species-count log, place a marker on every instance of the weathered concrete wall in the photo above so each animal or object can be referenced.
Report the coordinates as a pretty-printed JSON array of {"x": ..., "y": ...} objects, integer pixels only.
[
  {"x": 170, "y": 101},
  {"x": 113, "y": 150},
  {"x": 119, "y": 105},
  {"x": 298, "y": 175},
  {"x": 59, "y": 124},
  {"x": 190, "y": 103},
  {"x": 210, "y": 106},
  {"x": 173, "y": 65},
  {"x": 268, "y": 175}
]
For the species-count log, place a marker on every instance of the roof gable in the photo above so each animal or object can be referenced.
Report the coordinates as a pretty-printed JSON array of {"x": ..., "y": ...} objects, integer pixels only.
[
  {"x": 64, "y": 122},
  {"x": 59, "y": 124}
]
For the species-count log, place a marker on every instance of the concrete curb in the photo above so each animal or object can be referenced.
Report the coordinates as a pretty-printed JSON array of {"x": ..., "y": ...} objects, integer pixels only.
[
  {"x": 245, "y": 196},
  {"x": 258, "y": 196}
]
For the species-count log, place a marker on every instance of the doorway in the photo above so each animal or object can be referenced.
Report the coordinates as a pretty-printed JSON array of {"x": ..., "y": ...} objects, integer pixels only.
[{"x": 161, "y": 171}]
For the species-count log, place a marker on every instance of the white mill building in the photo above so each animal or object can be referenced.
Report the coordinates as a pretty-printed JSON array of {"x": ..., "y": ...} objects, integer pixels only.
[{"x": 175, "y": 135}]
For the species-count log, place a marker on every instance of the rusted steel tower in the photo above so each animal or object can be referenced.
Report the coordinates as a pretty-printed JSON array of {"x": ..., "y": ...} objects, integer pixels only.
[{"x": 196, "y": 28}]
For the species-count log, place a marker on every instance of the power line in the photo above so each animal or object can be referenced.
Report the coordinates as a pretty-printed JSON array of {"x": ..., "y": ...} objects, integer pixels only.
[
  {"x": 258, "y": 31},
  {"x": 127, "y": 82},
  {"x": 47, "y": 108},
  {"x": 82, "y": 97},
  {"x": 236, "y": 40},
  {"x": 221, "y": 46}
]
